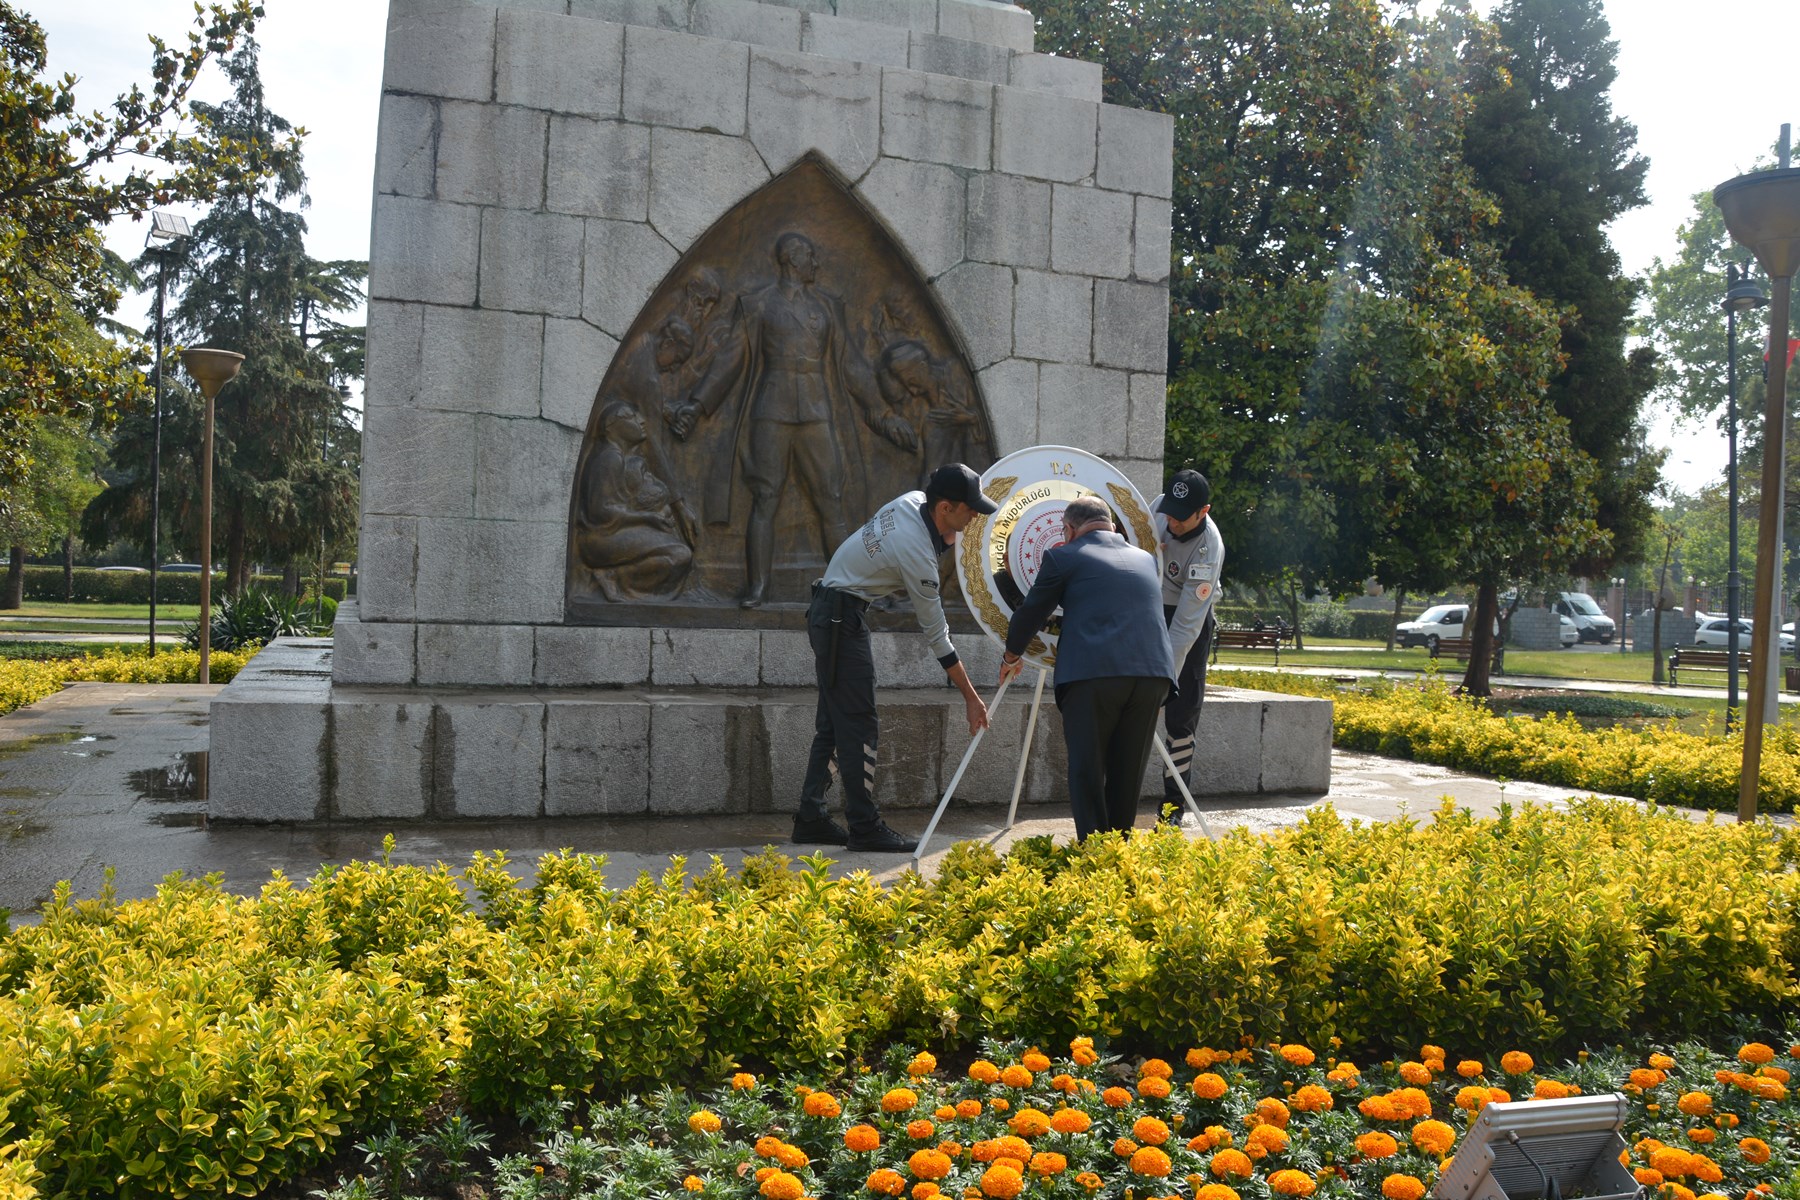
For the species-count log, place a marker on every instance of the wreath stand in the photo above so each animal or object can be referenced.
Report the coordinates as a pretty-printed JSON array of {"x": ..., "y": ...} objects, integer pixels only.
[{"x": 1037, "y": 701}]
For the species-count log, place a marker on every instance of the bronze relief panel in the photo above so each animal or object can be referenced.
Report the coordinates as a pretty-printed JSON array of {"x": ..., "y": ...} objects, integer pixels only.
[{"x": 789, "y": 376}]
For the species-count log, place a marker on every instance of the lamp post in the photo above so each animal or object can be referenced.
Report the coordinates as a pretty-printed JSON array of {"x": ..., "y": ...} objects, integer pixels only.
[
  {"x": 1762, "y": 211},
  {"x": 1624, "y": 611},
  {"x": 166, "y": 239},
  {"x": 212, "y": 369},
  {"x": 1741, "y": 293}
]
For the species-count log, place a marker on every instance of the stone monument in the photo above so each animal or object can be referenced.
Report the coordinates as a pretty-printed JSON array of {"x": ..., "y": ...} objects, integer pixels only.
[{"x": 666, "y": 296}]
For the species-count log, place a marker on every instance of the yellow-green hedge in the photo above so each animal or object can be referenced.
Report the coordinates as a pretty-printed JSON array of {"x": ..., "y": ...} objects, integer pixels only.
[
  {"x": 1424, "y": 721},
  {"x": 199, "y": 1043},
  {"x": 23, "y": 681}
]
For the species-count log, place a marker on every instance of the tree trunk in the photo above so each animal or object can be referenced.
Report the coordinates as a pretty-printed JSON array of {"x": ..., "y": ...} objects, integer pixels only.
[
  {"x": 236, "y": 565},
  {"x": 1399, "y": 602},
  {"x": 290, "y": 580},
  {"x": 14, "y": 595},
  {"x": 1293, "y": 607},
  {"x": 1481, "y": 641},
  {"x": 68, "y": 567}
]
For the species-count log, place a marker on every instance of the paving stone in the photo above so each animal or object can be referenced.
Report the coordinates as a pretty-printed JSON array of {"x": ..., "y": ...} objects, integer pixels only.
[
  {"x": 524, "y": 468},
  {"x": 800, "y": 103},
  {"x": 1009, "y": 220},
  {"x": 942, "y": 55},
  {"x": 1090, "y": 232},
  {"x": 1137, "y": 151},
  {"x": 406, "y": 146},
  {"x": 978, "y": 298},
  {"x": 381, "y": 765},
  {"x": 476, "y": 655},
  {"x": 596, "y": 758},
  {"x": 1085, "y": 407},
  {"x": 488, "y": 759},
  {"x": 1042, "y": 136},
  {"x": 576, "y": 357},
  {"x": 439, "y": 50},
  {"x": 418, "y": 463},
  {"x": 561, "y": 63},
  {"x": 628, "y": 261},
  {"x": 696, "y": 178},
  {"x": 1062, "y": 76},
  {"x": 1011, "y": 391},
  {"x": 587, "y": 656},
  {"x": 923, "y": 204},
  {"x": 388, "y": 558},
  {"x": 598, "y": 169},
  {"x": 1005, "y": 25},
  {"x": 856, "y": 41},
  {"x": 491, "y": 154},
  {"x": 1054, "y": 317},
  {"x": 424, "y": 250},
  {"x": 1150, "y": 240},
  {"x": 480, "y": 360},
  {"x": 531, "y": 262},
  {"x": 1133, "y": 331},
  {"x": 684, "y": 81},
  {"x": 773, "y": 25},
  {"x": 934, "y": 118}
]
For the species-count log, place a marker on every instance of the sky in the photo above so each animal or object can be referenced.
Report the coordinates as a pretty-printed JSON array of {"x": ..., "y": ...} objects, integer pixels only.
[{"x": 1707, "y": 86}]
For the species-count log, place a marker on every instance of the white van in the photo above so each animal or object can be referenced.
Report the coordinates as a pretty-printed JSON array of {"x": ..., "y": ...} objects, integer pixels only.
[{"x": 1591, "y": 624}]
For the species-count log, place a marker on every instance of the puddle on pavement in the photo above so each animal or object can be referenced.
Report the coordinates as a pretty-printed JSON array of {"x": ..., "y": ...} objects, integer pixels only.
[
  {"x": 19, "y": 830},
  {"x": 178, "y": 781},
  {"x": 181, "y": 820},
  {"x": 36, "y": 741}
]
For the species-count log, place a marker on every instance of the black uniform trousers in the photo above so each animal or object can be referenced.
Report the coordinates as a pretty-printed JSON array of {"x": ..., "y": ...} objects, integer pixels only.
[
  {"x": 845, "y": 727},
  {"x": 1182, "y": 713},
  {"x": 1109, "y": 724}
]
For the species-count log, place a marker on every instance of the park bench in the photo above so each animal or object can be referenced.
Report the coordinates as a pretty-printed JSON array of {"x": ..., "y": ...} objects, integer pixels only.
[
  {"x": 1461, "y": 648},
  {"x": 1248, "y": 639},
  {"x": 1717, "y": 662}
]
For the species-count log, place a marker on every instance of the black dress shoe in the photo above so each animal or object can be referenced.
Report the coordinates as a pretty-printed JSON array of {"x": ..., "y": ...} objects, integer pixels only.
[
  {"x": 819, "y": 831},
  {"x": 884, "y": 840}
]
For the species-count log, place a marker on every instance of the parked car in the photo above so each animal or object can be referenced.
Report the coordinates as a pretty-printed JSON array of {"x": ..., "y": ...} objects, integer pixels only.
[
  {"x": 143, "y": 570},
  {"x": 1591, "y": 624},
  {"x": 1716, "y": 632},
  {"x": 180, "y": 568},
  {"x": 1434, "y": 624},
  {"x": 1567, "y": 631}
]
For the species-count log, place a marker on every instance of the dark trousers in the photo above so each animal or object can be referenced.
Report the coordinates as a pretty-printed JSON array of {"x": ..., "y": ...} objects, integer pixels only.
[
  {"x": 845, "y": 726},
  {"x": 1182, "y": 714},
  {"x": 1108, "y": 724}
]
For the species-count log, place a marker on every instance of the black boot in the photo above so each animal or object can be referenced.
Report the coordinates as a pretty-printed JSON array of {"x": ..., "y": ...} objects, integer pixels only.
[{"x": 819, "y": 831}]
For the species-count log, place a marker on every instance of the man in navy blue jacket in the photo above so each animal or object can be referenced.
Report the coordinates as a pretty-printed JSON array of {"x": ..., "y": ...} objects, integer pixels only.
[{"x": 1113, "y": 664}]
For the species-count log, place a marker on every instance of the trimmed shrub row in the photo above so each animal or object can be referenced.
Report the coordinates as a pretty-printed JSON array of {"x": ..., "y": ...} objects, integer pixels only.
[
  {"x": 26, "y": 681},
  {"x": 45, "y": 584}
]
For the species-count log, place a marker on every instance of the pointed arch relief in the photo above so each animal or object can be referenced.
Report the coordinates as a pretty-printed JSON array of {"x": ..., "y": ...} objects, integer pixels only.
[{"x": 790, "y": 375}]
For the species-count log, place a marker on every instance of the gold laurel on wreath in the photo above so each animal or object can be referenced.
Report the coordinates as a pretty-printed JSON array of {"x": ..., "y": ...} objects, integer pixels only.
[{"x": 1140, "y": 520}]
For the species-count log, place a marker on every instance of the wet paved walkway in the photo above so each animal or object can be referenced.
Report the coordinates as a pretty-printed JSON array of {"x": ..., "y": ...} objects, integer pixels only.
[{"x": 105, "y": 775}]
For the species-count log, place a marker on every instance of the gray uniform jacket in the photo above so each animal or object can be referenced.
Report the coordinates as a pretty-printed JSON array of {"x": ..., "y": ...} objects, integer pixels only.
[
  {"x": 1190, "y": 583},
  {"x": 897, "y": 550}
]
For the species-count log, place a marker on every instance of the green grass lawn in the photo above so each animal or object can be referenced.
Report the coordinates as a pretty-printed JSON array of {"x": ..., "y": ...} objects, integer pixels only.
[
  {"x": 1552, "y": 664},
  {"x": 140, "y": 612}
]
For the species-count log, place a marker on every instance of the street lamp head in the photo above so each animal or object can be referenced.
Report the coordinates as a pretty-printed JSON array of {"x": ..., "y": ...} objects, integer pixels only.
[
  {"x": 1762, "y": 211},
  {"x": 165, "y": 228},
  {"x": 1743, "y": 292},
  {"x": 212, "y": 369}
]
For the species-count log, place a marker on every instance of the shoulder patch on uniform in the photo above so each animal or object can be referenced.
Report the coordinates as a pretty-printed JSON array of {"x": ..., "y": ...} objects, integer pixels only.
[
  {"x": 1197, "y": 571},
  {"x": 1174, "y": 570}
]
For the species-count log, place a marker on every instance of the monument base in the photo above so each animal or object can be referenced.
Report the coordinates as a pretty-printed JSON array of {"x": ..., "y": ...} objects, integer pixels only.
[{"x": 289, "y": 745}]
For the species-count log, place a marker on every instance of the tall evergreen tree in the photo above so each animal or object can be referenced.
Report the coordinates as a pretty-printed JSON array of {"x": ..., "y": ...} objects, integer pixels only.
[
  {"x": 285, "y": 445},
  {"x": 1562, "y": 166}
]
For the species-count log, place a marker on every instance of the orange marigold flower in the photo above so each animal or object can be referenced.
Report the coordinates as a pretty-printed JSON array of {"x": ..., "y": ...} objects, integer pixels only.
[
  {"x": 1756, "y": 1053},
  {"x": 1215, "y": 1191},
  {"x": 1433, "y": 1137},
  {"x": 1672, "y": 1162},
  {"x": 767, "y": 1145},
  {"x": 1550, "y": 1089},
  {"x": 1645, "y": 1077},
  {"x": 1013, "y": 1147},
  {"x": 1002, "y": 1183},
  {"x": 1661, "y": 1062},
  {"x": 1754, "y": 1150},
  {"x": 1695, "y": 1104},
  {"x": 899, "y": 1100},
  {"x": 1769, "y": 1089},
  {"x": 1702, "y": 1134},
  {"x": 1016, "y": 1076},
  {"x": 862, "y": 1138},
  {"x": 1297, "y": 1055},
  {"x": 1115, "y": 1097},
  {"x": 1776, "y": 1073},
  {"x": 1000, "y": 1104},
  {"x": 779, "y": 1185},
  {"x": 693, "y": 1183},
  {"x": 1201, "y": 1058},
  {"x": 1706, "y": 1170},
  {"x": 1499, "y": 1095},
  {"x": 920, "y": 1130},
  {"x": 1208, "y": 1086},
  {"x": 1048, "y": 1162},
  {"x": 705, "y": 1121},
  {"x": 1030, "y": 1122},
  {"x": 1516, "y": 1062},
  {"x": 1415, "y": 1102},
  {"x": 791, "y": 1157},
  {"x": 923, "y": 1063},
  {"x": 1381, "y": 1108},
  {"x": 1266, "y": 1139},
  {"x": 1070, "y": 1120},
  {"x": 925, "y": 1190},
  {"x": 1402, "y": 1187},
  {"x": 1415, "y": 1073},
  {"x": 1469, "y": 1068},
  {"x": 1648, "y": 1176},
  {"x": 949, "y": 1149},
  {"x": 1082, "y": 1051},
  {"x": 1124, "y": 1148},
  {"x": 1065, "y": 1083},
  {"x": 983, "y": 1071},
  {"x": 1088, "y": 1180},
  {"x": 1227, "y": 1163},
  {"x": 1148, "y": 1160},
  {"x": 929, "y": 1164},
  {"x": 743, "y": 1081},
  {"x": 1313, "y": 1098},
  {"x": 1156, "y": 1068},
  {"x": 1272, "y": 1112},
  {"x": 886, "y": 1182},
  {"x": 1158, "y": 1089},
  {"x": 1471, "y": 1098},
  {"x": 1292, "y": 1183},
  {"x": 1035, "y": 1060},
  {"x": 968, "y": 1108},
  {"x": 1435, "y": 1065},
  {"x": 1376, "y": 1144},
  {"x": 1150, "y": 1131},
  {"x": 945, "y": 1112}
]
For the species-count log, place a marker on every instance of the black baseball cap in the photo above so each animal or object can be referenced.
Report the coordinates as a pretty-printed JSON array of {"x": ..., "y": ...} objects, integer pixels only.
[
  {"x": 958, "y": 484},
  {"x": 1187, "y": 494}
]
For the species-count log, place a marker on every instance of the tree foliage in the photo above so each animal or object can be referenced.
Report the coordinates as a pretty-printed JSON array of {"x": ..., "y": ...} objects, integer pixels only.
[{"x": 64, "y": 174}]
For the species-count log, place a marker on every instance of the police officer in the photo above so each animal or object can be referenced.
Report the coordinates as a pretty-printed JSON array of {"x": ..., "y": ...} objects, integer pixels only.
[
  {"x": 896, "y": 551},
  {"x": 1193, "y": 556}
]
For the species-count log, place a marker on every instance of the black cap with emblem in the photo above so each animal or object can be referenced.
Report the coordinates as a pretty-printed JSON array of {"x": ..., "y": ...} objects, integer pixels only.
[
  {"x": 959, "y": 484},
  {"x": 1187, "y": 494}
]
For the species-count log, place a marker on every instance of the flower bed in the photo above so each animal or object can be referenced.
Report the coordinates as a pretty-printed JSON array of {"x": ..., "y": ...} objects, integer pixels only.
[
  {"x": 270, "y": 1028},
  {"x": 25, "y": 681},
  {"x": 1425, "y": 722}
]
